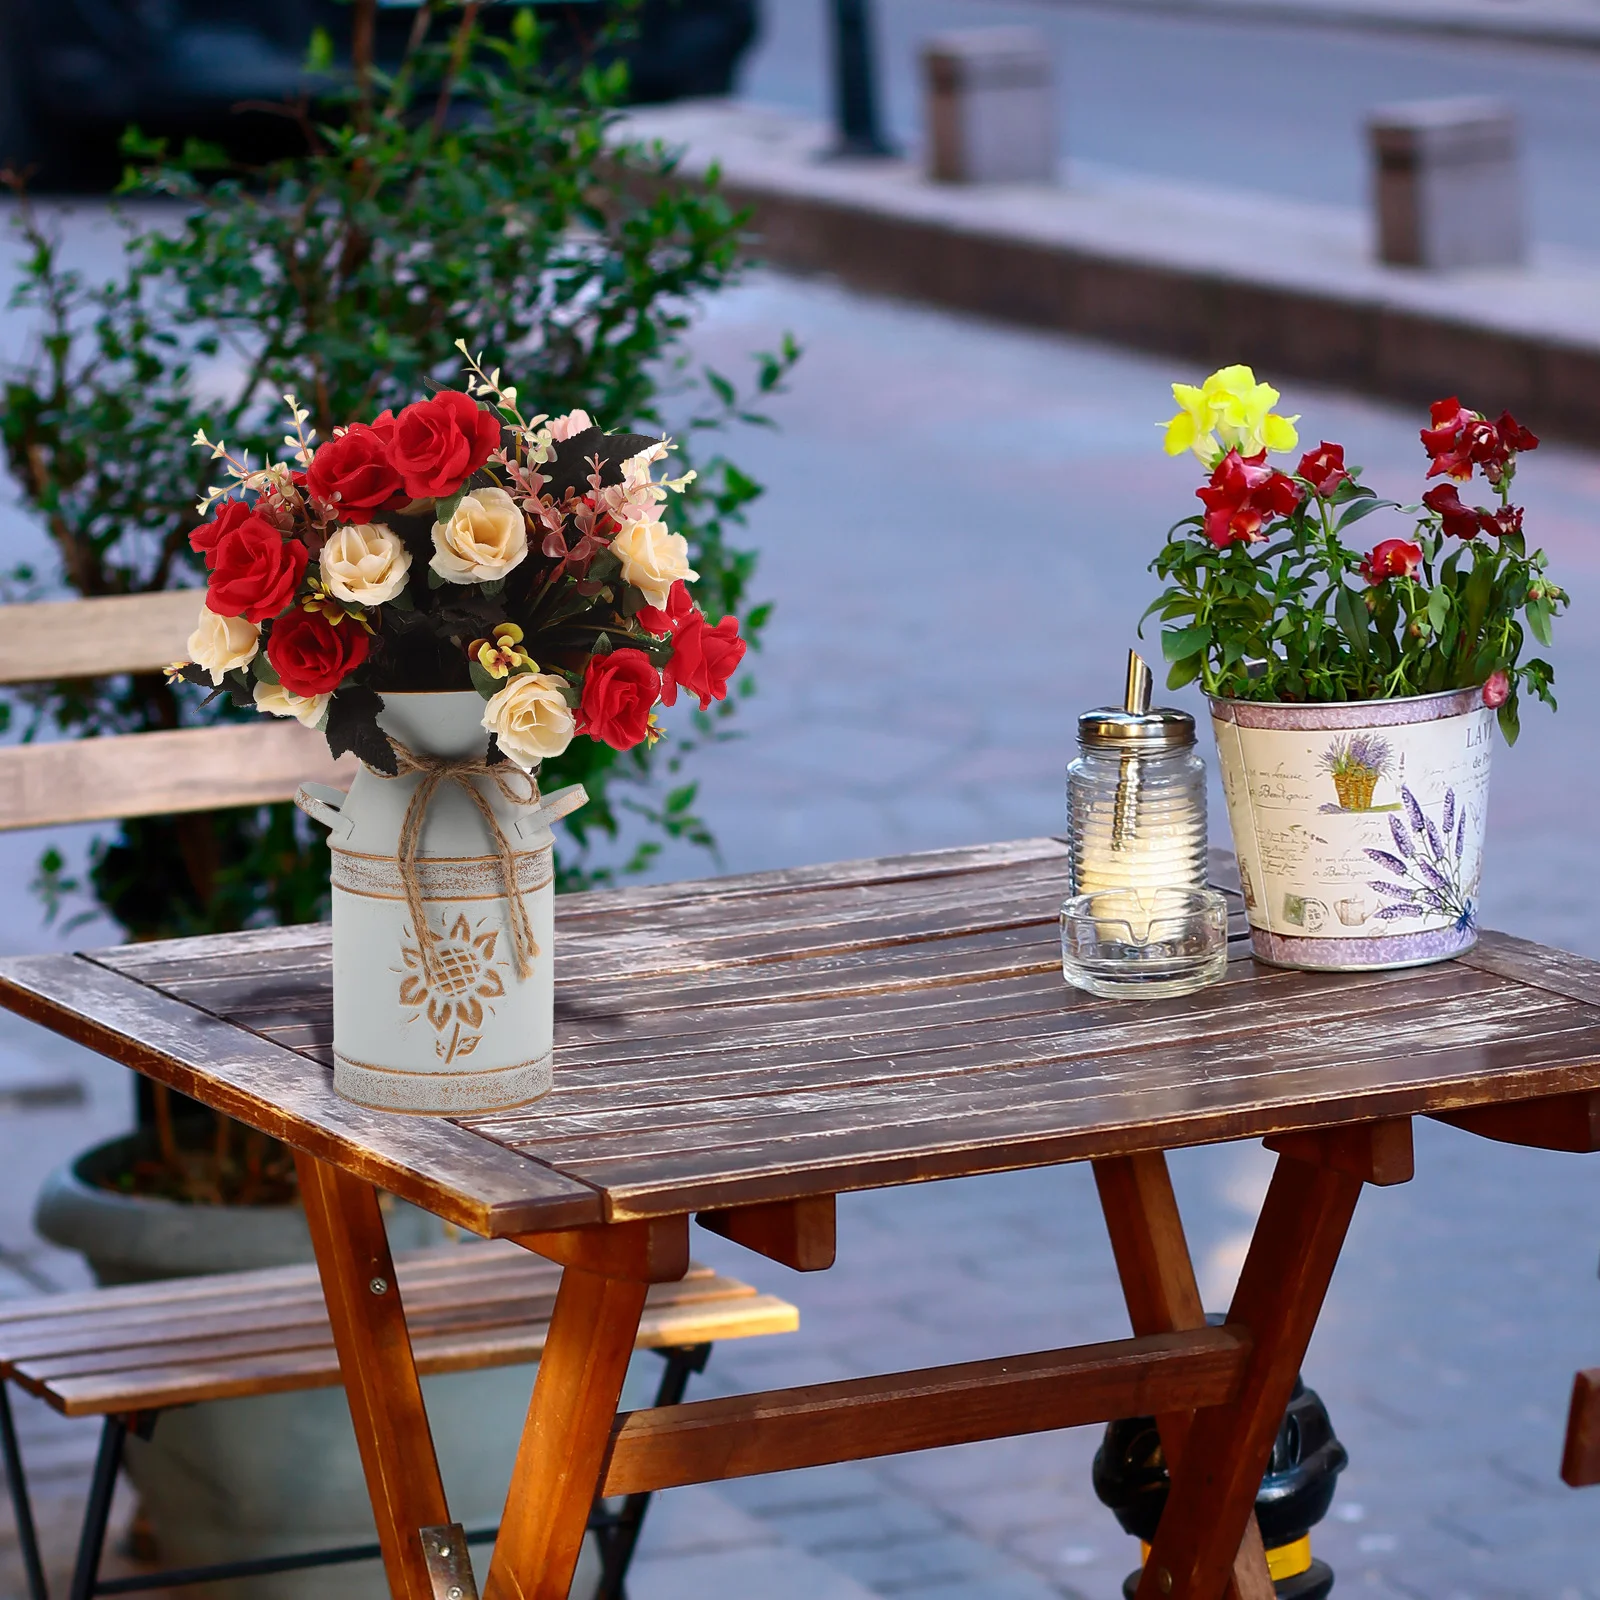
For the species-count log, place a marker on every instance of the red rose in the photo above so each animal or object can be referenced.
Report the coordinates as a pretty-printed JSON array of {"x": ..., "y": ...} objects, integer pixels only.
[
  {"x": 619, "y": 691},
  {"x": 1323, "y": 468},
  {"x": 351, "y": 474},
  {"x": 703, "y": 659},
  {"x": 679, "y": 609},
  {"x": 1497, "y": 690},
  {"x": 1241, "y": 495},
  {"x": 312, "y": 655},
  {"x": 439, "y": 443},
  {"x": 1460, "y": 521},
  {"x": 209, "y": 535},
  {"x": 1393, "y": 558},
  {"x": 254, "y": 571}
]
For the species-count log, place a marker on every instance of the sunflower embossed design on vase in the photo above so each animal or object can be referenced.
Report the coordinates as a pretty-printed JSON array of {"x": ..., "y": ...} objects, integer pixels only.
[{"x": 443, "y": 980}]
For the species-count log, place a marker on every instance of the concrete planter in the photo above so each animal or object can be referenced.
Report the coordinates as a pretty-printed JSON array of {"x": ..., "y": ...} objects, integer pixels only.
[
  {"x": 1358, "y": 825},
  {"x": 232, "y": 1479}
]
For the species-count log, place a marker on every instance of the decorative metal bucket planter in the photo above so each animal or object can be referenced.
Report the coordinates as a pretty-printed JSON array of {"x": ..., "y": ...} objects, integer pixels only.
[
  {"x": 1358, "y": 826},
  {"x": 445, "y": 1025}
]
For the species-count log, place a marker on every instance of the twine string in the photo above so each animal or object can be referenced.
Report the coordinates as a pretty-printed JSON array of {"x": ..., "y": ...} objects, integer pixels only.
[{"x": 436, "y": 771}]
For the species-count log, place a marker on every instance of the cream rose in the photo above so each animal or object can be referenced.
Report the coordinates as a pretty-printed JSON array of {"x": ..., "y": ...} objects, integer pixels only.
[
  {"x": 530, "y": 718},
  {"x": 365, "y": 563},
  {"x": 483, "y": 540},
  {"x": 219, "y": 644},
  {"x": 276, "y": 701},
  {"x": 653, "y": 559}
]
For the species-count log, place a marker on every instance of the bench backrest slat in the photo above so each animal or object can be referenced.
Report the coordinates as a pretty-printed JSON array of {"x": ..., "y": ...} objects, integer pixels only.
[
  {"x": 153, "y": 774},
  {"x": 96, "y": 638},
  {"x": 138, "y": 774}
]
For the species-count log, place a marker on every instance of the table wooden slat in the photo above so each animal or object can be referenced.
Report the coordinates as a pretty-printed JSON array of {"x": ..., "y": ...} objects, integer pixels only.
[{"x": 828, "y": 1028}]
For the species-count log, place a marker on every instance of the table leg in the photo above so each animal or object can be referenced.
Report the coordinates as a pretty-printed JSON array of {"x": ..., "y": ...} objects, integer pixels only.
[
  {"x": 557, "y": 1475},
  {"x": 1158, "y": 1283},
  {"x": 1286, "y": 1275},
  {"x": 380, "y": 1375}
]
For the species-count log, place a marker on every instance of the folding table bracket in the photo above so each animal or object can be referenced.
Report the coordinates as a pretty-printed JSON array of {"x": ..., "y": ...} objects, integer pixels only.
[{"x": 444, "y": 1548}]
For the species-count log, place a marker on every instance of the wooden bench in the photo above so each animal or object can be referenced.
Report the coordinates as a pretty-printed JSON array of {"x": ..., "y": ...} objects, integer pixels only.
[
  {"x": 138, "y": 774},
  {"x": 127, "y": 1354}
]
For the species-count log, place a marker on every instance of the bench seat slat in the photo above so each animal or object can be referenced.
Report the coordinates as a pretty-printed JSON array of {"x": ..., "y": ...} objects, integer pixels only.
[
  {"x": 152, "y": 1389},
  {"x": 90, "y": 1349},
  {"x": 142, "y": 1347},
  {"x": 419, "y": 1272}
]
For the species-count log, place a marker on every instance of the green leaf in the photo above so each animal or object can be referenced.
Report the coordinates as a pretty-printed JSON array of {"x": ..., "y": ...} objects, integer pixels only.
[
  {"x": 1438, "y": 609},
  {"x": 1178, "y": 644},
  {"x": 493, "y": 587},
  {"x": 1538, "y": 614},
  {"x": 484, "y": 681},
  {"x": 263, "y": 668},
  {"x": 319, "y": 53},
  {"x": 444, "y": 509},
  {"x": 1510, "y": 722},
  {"x": 1353, "y": 622}
]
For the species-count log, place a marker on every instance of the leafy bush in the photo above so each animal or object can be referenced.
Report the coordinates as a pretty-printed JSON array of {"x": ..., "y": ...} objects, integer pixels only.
[{"x": 482, "y": 192}]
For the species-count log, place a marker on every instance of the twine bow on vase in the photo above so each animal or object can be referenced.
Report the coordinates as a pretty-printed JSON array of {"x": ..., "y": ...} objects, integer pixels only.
[{"x": 436, "y": 771}]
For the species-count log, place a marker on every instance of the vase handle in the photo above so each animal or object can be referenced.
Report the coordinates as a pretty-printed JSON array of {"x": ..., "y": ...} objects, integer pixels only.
[
  {"x": 323, "y": 803},
  {"x": 551, "y": 808}
]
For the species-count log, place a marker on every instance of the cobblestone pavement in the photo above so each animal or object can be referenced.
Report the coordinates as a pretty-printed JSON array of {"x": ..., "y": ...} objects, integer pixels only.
[{"x": 955, "y": 531}]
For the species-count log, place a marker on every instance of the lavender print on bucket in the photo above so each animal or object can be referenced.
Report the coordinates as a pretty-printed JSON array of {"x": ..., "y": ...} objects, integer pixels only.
[{"x": 1359, "y": 826}]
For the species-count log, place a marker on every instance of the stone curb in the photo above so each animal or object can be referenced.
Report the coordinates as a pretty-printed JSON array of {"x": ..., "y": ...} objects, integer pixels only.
[
  {"x": 1574, "y": 25},
  {"x": 1209, "y": 278}
]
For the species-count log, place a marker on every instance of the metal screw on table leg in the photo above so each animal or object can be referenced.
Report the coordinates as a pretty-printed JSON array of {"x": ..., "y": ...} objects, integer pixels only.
[
  {"x": 379, "y": 1286},
  {"x": 1130, "y": 1476}
]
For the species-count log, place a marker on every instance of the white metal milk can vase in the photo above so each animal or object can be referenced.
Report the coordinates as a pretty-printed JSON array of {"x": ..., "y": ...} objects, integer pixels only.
[{"x": 443, "y": 918}]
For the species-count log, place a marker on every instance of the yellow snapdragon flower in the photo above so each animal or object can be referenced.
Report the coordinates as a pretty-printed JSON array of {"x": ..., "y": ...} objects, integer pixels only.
[{"x": 1229, "y": 411}]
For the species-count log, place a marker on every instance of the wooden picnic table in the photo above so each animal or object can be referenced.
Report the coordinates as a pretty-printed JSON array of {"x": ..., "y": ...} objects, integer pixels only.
[{"x": 748, "y": 1048}]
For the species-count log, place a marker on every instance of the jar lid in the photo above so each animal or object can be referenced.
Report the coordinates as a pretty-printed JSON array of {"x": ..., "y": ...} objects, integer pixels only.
[{"x": 1136, "y": 732}]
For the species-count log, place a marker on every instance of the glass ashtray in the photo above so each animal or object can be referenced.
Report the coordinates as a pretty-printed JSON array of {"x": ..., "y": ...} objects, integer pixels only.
[{"x": 1130, "y": 944}]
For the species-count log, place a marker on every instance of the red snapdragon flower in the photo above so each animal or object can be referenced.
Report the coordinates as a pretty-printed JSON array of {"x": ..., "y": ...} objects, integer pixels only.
[
  {"x": 1393, "y": 558},
  {"x": 1460, "y": 521},
  {"x": 1324, "y": 468},
  {"x": 1240, "y": 497},
  {"x": 1460, "y": 440}
]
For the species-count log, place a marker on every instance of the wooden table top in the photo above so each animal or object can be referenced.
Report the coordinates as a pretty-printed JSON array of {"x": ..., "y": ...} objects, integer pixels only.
[{"x": 733, "y": 1040}]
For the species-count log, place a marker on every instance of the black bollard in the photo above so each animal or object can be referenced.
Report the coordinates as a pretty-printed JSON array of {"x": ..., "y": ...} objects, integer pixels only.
[
  {"x": 855, "y": 90},
  {"x": 1130, "y": 1476}
]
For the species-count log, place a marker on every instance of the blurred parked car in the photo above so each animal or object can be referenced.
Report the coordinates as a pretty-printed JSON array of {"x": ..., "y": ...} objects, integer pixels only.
[{"x": 75, "y": 73}]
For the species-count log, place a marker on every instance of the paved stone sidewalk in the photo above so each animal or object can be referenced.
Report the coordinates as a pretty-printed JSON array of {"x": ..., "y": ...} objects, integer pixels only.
[{"x": 956, "y": 528}]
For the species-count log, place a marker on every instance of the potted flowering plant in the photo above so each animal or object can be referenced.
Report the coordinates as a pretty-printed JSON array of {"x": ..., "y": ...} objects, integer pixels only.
[
  {"x": 1353, "y": 682},
  {"x": 453, "y": 594}
]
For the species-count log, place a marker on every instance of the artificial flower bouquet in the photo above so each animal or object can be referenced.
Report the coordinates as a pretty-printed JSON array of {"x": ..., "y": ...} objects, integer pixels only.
[
  {"x": 456, "y": 546},
  {"x": 1271, "y": 594}
]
